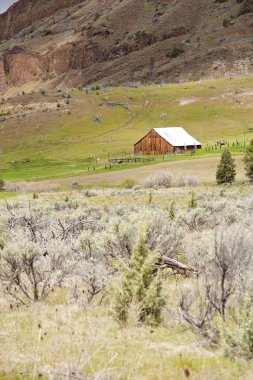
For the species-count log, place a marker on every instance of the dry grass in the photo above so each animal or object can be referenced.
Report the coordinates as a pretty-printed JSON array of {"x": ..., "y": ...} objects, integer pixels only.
[{"x": 60, "y": 340}]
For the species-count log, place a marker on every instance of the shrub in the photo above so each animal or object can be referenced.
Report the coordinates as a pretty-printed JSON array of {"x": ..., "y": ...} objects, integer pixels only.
[
  {"x": 35, "y": 196},
  {"x": 139, "y": 287},
  {"x": 193, "y": 201},
  {"x": 226, "y": 170},
  {"x": 28, "y": 272},
  {"x": 187, "y": 180},
  {"x": 172, "y": 211},
  {"x": 230, "y": 259},
  {"x": 238, "y": 342},
  {"x": 2, "y": 184},
  {"x": 226, "y": 23},
  {"x": 128, "y": 183},
  {"x": 174, "y": 52},
  {"x": 160, "y": 179},
  {"x": 248, "y": 160}
]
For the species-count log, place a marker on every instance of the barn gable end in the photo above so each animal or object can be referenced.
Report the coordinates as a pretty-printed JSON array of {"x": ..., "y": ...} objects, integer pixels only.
[{"x": 153, "y": 143}]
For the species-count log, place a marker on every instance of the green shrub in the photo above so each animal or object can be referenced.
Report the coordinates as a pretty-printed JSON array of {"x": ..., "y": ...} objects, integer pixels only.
[
  {"x": 239, "y": 340},
  {"x": 193, "y": 201},
  {"x": 226, "y": 23},
  {"x": 2, "y": 184},
  {"x": 172, "y": 211},
  {"x": 128, "y": 183},
  {"x": 174, "y": 52},
  {"x": 139, "y": 288}
]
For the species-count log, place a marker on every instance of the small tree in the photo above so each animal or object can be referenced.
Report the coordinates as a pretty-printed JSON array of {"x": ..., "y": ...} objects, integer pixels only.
[
  {"x": 172, "y": 211},
  {"x": 248, "y": 160},
  {"x": 226, "y": 170},
  {"x": 193, "y": 203},
  {"x": 2, "y": 184},
  {"x": 140, "y": 287}
]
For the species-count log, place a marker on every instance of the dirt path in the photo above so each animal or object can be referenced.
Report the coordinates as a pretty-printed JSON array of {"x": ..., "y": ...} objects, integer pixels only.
[{"x": 204, "y": 169}]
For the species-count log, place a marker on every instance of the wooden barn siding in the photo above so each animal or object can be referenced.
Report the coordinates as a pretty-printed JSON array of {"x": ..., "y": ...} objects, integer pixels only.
[{"x": 153, "y": 143}]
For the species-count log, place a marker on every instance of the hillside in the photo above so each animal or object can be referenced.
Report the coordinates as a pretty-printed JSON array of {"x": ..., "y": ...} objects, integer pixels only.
[
  {"x": 74, "y": 42},
  {"x": 50, "y": 134}
]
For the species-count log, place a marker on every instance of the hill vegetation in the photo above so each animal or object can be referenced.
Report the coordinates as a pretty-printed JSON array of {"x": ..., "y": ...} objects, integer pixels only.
[{"x": 50, "y": 134}]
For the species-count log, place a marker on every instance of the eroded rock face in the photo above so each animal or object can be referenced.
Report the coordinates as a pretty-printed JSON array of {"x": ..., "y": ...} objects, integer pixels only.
[
  {"x": 18, "y": 66},
  {"x": 79, "y": 42},
  {"x": 3, "y": 81},
  {"x": 86, "y": 53},
  {"x": 25, "y": 12},
  {"x": 58, "y": 61},
  {"x": 22, "y": 67}
]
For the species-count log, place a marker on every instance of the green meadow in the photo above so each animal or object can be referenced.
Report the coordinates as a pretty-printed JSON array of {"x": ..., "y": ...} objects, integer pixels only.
[{"x": 62, "y": 144}]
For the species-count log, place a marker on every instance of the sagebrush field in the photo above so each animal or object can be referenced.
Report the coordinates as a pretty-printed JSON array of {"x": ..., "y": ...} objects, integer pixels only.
[{"x": 62, "y": 259}]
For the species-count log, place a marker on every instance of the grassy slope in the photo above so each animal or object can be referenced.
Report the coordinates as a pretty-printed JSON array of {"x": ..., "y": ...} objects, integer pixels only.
[{"x": 60, "y": 144}]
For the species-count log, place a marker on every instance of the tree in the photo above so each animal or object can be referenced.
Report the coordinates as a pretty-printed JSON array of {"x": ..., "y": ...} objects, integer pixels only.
[
  {"x": 2, "y": 184},
  {"x": 139, "y": 287},
  {"x": 248, "y": 160},
  {"x": 226, "y": 170}
]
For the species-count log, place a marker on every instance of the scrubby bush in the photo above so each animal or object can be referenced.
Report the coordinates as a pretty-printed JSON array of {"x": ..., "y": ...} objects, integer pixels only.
[
  {"x": 226, "y": 23},
  {"x": 128, "y": 183},
  {"x": 231, "y": 257},
  {"x": 188, "y": 180},
  {"x": 238, "y": 340},
  {"x": 160, "y": 179},
  {"x": 193, "y": 203},
  {"x": 2, "y": 184},
  {"x": 138, "y": 288},
  {"x": 29, "y": 271},
  {"x": 174, "y": 52}
]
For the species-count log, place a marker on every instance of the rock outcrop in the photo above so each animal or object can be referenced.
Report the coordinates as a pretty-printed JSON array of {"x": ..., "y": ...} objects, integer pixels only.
[
  {"x": 73, "y": 42},
  {"x": 24, "y": 13}
]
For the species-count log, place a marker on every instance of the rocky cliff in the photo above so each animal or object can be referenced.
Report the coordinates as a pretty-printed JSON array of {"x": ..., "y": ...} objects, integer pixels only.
[
  {"x": 26, "y": 12},
  {"x": 73, "y": 42}
]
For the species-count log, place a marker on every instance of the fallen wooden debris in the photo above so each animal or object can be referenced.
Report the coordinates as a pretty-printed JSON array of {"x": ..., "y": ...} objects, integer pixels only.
[{"x": 165, "y": 262}]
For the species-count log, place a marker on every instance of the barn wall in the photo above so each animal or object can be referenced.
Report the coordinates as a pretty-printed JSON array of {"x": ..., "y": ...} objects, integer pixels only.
[{"x": 153, "y": 144}]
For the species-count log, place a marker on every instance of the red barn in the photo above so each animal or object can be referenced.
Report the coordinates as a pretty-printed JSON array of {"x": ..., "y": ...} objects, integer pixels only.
[{"x": 165, "y": 141}]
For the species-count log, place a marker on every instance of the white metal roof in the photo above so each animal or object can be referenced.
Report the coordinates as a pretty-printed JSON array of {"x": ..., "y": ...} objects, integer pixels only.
[{"x": 177, "y": 136}]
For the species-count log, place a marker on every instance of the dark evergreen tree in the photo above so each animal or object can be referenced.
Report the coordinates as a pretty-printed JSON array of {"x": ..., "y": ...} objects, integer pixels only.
[
  {"x": 248, "y": 160},
  {"x": 2, "y": 184},
  {"x": 226, "y": 170}
]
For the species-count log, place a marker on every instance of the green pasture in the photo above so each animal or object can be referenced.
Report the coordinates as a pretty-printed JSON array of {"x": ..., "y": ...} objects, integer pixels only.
[{"x": 60, "y": 144}]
